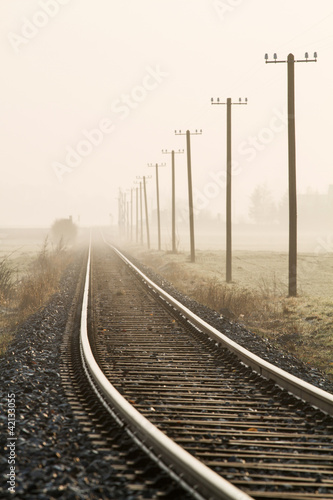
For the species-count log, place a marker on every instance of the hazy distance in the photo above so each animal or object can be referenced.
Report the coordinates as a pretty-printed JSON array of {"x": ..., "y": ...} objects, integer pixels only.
[{"x": 92, "y": 94}]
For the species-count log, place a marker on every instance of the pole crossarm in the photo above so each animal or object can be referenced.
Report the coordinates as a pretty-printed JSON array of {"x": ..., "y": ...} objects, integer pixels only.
[
  {"x": 166, "y": 152},
  {"x": 275, "y": 59},
  {"x": 225, "y": 103},
  {"x": 144, "y": 177},
  {"x": 156, "y": 165},
  {"x": 197, "y": 132}
]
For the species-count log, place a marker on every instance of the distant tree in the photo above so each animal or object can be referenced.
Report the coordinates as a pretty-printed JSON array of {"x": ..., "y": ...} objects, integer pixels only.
[
  {"x": 283, "y": 210},
  {"x": 262, "y": 208},
  {"x": 313, "y": 210},
  {"x": 63, "y": 232}
]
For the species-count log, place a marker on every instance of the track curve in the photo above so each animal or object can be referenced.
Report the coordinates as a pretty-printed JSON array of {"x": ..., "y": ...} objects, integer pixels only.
[{"x": 244, "y": 428}]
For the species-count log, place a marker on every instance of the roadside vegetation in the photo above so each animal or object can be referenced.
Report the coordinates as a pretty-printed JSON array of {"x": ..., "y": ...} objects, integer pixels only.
[
  {"x": 257, "y": 298},
  {"x": 24, "y": 293}
]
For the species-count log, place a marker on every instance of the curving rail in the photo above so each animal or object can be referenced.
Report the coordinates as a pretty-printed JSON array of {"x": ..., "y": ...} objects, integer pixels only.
[
  {"x": 204, "y": 482},
  {"x": 313, "y": 395}
]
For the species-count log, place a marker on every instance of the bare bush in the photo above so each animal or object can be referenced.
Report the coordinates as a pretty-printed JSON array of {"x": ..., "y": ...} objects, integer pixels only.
[
  {"x": 64, "y": 232},
  {"x": 24, "y": 297},
  {"x": 6, "y": 279},
  {"x": 219, "y": 296},
  {"x": 43, "y": 278}
]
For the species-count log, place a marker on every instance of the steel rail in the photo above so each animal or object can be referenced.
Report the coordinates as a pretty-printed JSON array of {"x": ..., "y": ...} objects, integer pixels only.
[
  {"x": 204, "y": 480},
  {"x": 303, "y": 390}
]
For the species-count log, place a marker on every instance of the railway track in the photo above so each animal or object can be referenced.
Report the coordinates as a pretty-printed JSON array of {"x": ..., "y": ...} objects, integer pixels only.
[{"x": 233, "y": 434}]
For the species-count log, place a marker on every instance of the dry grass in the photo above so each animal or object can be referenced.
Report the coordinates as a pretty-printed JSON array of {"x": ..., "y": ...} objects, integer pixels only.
[
  {"x": 28, "y": 291},
  {"x": 258, "y": 298}
]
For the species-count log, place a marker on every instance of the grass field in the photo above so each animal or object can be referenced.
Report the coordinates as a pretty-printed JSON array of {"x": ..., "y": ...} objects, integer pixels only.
[
  {"x": 21, "y": 246},
  {"x": 257, "y": 296},
  {"x": 30, "y": 269}
]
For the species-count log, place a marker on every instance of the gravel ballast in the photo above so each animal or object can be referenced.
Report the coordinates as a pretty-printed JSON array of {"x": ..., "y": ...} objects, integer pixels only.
[
  {"x": 236, "y": 332},
  {"x": 53, "y": 458}
]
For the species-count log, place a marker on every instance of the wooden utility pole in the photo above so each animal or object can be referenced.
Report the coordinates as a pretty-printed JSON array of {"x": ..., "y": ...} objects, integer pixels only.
[
  {"x": 228, "y": 197},
  {"x": 158, "y": 202},
  {"x": 292, "y": 178},
  {"x": 173, "y": 208},
  {"x": 228, "y": 103},
  {"x": 137, "y": 214},
  {"x": 173, "y": 201},
  {"x": 292, "y": 279},
  {"x": 190, "y": 191},
  {"x": 146, "y": 209},
  {"x": 131, "y": 214},
  {"x": 141, "y": 217}
]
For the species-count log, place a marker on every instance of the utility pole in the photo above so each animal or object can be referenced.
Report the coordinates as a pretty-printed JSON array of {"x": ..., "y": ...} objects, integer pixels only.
[
  {"x": 146, "y": 208},
  {"x": 173, "y": 184},
  {"x": 137, "y": 215},
  {"x": 190, "y": 193},
  {"x": 141, "y": 226},
  {"x": 292, "y": 281},
  {"x": 141, "y": 216},
  {"x": 127, "y": 219},
  {"x": 158, "y": 202},
  {"x": 131, "y": 214},
  {"x": 121, "y": 213},
  {"x": 228, "y": 103}
]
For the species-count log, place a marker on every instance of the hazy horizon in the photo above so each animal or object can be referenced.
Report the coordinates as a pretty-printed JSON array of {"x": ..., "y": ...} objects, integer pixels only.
[{"x": 91, "y": 96}]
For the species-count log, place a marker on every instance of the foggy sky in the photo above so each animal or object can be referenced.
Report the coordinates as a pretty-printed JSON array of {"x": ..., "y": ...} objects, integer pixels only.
[{"x": 91, "y": 92}]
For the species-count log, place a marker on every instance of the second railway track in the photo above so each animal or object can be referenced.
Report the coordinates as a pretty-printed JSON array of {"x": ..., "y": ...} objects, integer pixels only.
[{"x": 245, "y": 428}]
